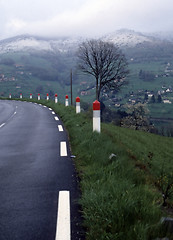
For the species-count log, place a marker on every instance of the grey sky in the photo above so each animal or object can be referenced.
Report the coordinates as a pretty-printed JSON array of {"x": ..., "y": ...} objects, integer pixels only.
[{"x": 83, "y": 17}]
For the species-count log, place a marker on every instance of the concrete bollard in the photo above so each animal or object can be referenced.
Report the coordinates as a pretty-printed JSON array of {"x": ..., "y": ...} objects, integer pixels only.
[
  {"x": 78, "y": 105},
  {"x": 20, "y": 95},
  {"x": 56, "y": 98},
  {"x": 38, "y": 96},
  {"x": 47, "y": 96},
  {"x": 30, "y": 95},
  {"x": 96, "y": 116},
  {"x": 10, "y": 95},
  {"x": 66, "y": 100}
]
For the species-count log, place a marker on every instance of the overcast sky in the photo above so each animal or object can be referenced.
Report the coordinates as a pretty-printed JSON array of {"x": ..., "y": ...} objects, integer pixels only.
[{"x": 83, "y": 17}]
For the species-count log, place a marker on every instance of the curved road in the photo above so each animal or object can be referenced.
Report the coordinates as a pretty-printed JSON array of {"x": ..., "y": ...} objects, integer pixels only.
[{"x": 33, "y": 173}]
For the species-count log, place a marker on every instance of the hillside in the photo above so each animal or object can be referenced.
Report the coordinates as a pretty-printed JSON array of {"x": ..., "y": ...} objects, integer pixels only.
[
  {"x": 27, "y": 43},
  {"x": 31, "y": 64}
]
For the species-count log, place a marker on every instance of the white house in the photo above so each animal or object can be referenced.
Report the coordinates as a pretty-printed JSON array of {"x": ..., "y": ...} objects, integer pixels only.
[{"x": 167, "y": 101}]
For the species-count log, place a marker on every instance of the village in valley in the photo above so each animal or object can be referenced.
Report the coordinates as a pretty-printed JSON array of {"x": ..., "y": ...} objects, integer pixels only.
[{"x": 145, "y": 86}]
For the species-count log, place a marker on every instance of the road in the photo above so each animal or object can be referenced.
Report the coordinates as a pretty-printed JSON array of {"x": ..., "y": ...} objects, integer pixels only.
[{"x": 33, "y": 174}]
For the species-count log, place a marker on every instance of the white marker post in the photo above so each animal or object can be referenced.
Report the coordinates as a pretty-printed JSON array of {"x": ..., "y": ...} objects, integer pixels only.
[
  {"x": 56, "y": 98},
  {"x": 66, "y": 100},
  {"x": 20, "y": 95},
  {"x": 47, "y": 97},
  {"x": 78, "y": 105},
  {"x": 30, "y": 95},
  {"x": 10, "y": 95},
  {"x": 96, "y": 116},
  {"x": 38, "y": 96}
]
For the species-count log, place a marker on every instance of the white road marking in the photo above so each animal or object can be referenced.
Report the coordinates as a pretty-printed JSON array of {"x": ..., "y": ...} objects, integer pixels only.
[
  {"x": 50, "y": 109},
  {"x": 63, "y": 149},
  {"x": 56, "y": 118},
  {"x": 63, "y": 230},
  {"x": 60, "y": 128},
  {"x": 8, "y": 119},
  {"x": 2, "y": 125},
  {"x": 53, "y": 113},
  {"x": 45, "y": 106}
]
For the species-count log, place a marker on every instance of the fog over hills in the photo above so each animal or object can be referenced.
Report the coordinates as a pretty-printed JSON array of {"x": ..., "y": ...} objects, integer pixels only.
[
  {"x": 35, "y": 43},
  {"x": 123, "y": 38}
]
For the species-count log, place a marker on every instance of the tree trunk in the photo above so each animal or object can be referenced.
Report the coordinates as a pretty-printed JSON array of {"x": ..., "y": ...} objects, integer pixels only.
[{"x": 97, "y": 90}]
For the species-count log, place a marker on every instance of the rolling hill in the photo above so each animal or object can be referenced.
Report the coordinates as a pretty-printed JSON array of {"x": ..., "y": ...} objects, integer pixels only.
[{"x": 32, "y": 64}]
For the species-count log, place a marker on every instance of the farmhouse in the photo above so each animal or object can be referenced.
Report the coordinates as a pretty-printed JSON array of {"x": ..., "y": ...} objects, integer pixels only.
[{"x": 167, "y": 101}]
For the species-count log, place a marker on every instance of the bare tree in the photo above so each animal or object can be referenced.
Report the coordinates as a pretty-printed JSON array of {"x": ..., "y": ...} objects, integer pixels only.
[{"x": 105, "y": 62}]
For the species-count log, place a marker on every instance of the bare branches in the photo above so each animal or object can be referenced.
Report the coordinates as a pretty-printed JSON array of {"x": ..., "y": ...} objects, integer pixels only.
[{"x": 105, "y": 62}]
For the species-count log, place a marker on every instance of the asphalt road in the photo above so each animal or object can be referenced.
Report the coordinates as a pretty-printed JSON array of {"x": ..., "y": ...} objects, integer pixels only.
[{"x": 33, "y": 172}]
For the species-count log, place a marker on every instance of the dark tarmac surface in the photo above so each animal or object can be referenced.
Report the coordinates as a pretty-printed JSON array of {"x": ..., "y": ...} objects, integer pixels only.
[{"x": 32, "y": 173}]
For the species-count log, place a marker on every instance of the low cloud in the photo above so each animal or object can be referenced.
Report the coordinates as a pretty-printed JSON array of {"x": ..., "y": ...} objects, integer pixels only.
[{"x": 83, "y": 17}]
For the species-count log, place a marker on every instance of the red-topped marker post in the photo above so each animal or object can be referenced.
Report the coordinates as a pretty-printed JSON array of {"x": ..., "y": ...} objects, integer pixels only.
[
  {"x": 10, "y": 95},
  {"x": 47, "y": 96},
  {"x": 38, "y": 96},
  {"x": 56, "y": 98},
  {"x": 30, "y": 95},
  {"x": 78, "y": 105},
  {"x": 96, "y": 116},
  {"x": 66, "y": 100},
  {"x": 20, "y": 95}
]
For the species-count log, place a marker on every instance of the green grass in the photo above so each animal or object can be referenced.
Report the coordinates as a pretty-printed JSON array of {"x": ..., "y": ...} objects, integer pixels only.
[
  {"x": 161, "y": 110},
  {"x": 121, "y": 198}
]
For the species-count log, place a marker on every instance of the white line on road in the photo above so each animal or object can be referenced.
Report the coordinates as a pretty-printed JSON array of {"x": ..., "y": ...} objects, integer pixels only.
[
  {"x": 53, "y": 113},
  {"x": 63, "y": 230},
  {"x": 60, "y": 128},
  {"x": 2, "y": 125},
  {"x": 56, "y": 118},
  {"x": 63, "y": 149},
  {"x": 50, "y": 109}
]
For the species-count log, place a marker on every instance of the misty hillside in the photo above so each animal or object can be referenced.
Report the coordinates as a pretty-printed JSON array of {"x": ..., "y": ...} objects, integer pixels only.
[
  {"x": 27, "y": 43},
  {"x": 124, "y": 38},
  {"x": 44, "y": 64},
  {"x": 31, "y": 64}
]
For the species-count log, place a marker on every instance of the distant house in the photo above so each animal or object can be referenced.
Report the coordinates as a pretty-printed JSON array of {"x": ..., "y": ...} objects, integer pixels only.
[
  {"x": 18, "y": 65},
  {"x": 167, "y": 101},
  {"x": 84, "y": 93},
  {"x": 83, "y": 83},
  {"x": 150, "y": 95},
  {"x": 169, "y": 90},
  {"x": 133, "y": 101},
  {"x": 161, "y": 92},
  {"x": 117, "y": 105}
]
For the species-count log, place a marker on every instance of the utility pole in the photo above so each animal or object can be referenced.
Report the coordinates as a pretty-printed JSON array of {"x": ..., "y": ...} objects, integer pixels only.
[{"x": 71, "y": 87}]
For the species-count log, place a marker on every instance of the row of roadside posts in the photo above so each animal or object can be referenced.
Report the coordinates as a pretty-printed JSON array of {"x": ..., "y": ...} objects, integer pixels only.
[{"x": 96, "y": 109}]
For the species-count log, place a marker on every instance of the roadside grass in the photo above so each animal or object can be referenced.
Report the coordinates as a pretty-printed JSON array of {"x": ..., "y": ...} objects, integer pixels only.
[{"x": 119, "y": 171}]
